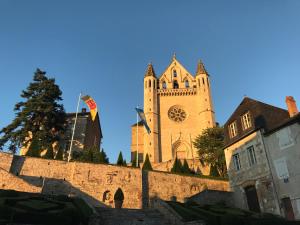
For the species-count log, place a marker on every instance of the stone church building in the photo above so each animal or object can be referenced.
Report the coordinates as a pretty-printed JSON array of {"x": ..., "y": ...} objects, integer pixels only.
[{"x": 177, "y": 106}]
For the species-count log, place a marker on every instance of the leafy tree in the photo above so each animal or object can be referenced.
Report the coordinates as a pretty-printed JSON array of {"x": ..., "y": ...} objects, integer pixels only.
[
  {"x": 185, "y": 167},
  {"x": 92, "y": 155},
  {"x": 177, "y": 166},
  {"x": 120, "y": 161},
  {"x": 39, "y": 118},
  {"x": 210, "y": 146},
  {"x": 147, "y": 164}
]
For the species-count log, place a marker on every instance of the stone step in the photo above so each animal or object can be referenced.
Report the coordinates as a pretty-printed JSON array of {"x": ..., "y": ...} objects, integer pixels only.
[{"x": 111, "y": 216}]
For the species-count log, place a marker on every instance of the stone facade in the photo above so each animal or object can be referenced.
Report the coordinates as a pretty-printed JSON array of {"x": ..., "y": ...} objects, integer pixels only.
[
  {"x": 177, "y": 106},
  {"x": 97, "y": 183}
]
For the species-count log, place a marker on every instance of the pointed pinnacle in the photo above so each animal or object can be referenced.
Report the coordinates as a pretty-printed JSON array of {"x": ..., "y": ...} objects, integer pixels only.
[
  {"x": 150, "y": 71},
  {"x": 200, "y": 68}
]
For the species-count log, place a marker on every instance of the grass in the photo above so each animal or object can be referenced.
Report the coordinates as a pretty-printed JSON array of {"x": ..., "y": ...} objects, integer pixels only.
[
  {"x": 222, "y": 215},
  {"x": 20, "y": 207}
]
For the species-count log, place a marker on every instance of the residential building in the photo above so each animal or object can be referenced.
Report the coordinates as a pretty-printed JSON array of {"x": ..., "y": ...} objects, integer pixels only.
[{"x": 262, "y": 150}]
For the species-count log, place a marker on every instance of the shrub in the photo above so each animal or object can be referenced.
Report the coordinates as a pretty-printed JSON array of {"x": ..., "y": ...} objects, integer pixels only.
[{"x": 119, "y": 196}]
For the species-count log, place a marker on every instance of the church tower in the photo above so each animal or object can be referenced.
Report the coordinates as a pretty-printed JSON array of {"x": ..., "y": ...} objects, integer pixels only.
[
  {"x": 178, "y": 107},
  {"x": 151, "y": 143}
]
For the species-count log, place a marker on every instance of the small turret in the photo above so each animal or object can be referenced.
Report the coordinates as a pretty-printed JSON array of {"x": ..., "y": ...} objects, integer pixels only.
[
  {"x": 200, "y": 68},
  {"x": 150, "y": 71}
]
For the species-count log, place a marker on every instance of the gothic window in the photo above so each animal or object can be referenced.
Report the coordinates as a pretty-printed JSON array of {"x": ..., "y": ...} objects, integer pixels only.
[
  {"x": 149, "y": 83},
  {"x": 202, "y": 80},
  {"x": 186, "y": 83},
  {"x": 164, "y": 85},
  {"x": 174, "y": 73},
  {"x": 177, "y": 114},
  {"x": 175, "y": 84}
]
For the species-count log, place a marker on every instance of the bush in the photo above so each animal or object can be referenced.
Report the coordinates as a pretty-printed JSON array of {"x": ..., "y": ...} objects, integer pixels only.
[{"x": 119, "y": 196}]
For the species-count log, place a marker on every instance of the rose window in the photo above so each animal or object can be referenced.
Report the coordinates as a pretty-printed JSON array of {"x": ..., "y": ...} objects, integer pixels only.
[{"x": 177, "y": 114}]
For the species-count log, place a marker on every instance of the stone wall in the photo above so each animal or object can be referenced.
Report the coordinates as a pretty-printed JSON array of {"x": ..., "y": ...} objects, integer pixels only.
[
  {"x": 5, "y": 160},
  {"x": 97, "y": 183},
  {"x": 11, "y": 182},
  {"x": 212, "y": 197},
  {"x": 168, "y": 186}
]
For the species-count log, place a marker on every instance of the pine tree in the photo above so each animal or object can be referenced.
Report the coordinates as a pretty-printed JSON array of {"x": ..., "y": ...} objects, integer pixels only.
[
  {"x": 177, "y": 166},
  {"x": 39, "y": 117},
  {"x": 92, "y": 155},
  {"x": 34, "y": 149},
  {"x": 147, "y": 164},
  {"x": 120, "y": 160},
  {"x": 104, "y": 158},
  {"x": 185, "y": 167},
  {"x": 124, "y": 162}
]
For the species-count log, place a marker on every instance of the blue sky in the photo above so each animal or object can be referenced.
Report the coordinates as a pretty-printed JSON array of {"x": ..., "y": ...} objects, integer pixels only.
[{"x": 102, "y": 48}]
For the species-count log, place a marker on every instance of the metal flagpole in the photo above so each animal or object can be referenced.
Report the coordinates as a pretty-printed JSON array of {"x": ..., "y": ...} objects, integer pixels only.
[
  {"x": 71, "y": 145},
  {"x": 137, "y": 139}
]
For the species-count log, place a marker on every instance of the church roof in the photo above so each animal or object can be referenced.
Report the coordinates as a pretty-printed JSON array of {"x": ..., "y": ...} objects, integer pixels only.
[
  {"x": 150, "y": 71},
  {"x": 200, "y": 68}
]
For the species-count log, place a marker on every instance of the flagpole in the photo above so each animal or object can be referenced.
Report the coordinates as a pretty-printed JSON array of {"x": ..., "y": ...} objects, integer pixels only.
[
  {"x": 137, "y": 139},
  {"x": 71, "y": 145}
]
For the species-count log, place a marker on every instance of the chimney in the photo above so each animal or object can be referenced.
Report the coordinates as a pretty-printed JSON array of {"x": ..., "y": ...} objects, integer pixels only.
[
  {"x": 83, "y": 110},
  {"x": 291, "y": 105}
]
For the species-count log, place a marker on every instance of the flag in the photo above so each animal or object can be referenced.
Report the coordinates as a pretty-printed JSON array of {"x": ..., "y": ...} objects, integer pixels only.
[
  {"x": 143, "y": 119},
  {"x": 92, "y": 106}
]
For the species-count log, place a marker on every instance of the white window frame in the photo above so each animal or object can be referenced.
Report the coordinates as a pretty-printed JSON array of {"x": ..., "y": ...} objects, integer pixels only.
[
  {"x": 236, "y": 161},
  {"x": 246, "y": 121},
  {"x": 251, "y": 155},
  {"x": 232, "y": 129}
]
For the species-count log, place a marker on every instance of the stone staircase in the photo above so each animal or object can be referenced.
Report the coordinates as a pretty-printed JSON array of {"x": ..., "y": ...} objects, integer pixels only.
[{"x": 111, "y": 216}]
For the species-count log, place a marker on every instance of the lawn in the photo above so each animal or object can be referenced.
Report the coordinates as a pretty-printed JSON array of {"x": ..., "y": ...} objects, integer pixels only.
[
  {"x": 222, "y": 215},
  {"x": 33, "y": 208}
]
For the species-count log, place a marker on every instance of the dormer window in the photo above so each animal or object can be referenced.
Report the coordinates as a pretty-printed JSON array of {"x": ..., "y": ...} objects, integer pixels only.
[
  {"x": 246, "y": 121},
  {"x": 175, "y": 84},
  {"x": 174, "y": 73},
  {"x": 232, "y": 129},
  {"x": 164, "y": 85},
  {"x": 186, "y": 83}
]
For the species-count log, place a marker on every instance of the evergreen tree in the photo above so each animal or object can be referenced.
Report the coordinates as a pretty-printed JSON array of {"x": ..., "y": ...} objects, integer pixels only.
[
  {"x": 39, "y": 117},
  {"x": 147, "y": 164},
  {"x": 34, "y": 149},
  {"x": 177, "y": 166},
  {"x": 92, "y": 155},
  {"x": 210, "y": 146},
  {"x": 124, "y": 162},
  {"x": 120, "y": 160},
  {"x": 185, "y": 167},
  {"x": 49, "y": 153}
]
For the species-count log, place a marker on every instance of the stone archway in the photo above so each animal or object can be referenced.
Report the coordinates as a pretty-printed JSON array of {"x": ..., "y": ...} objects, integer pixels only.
[{"x": 180, "y": 149}]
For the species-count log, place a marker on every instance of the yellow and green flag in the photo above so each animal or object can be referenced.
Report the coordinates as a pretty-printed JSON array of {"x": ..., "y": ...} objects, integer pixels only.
[{"x": 92, "y": 105}]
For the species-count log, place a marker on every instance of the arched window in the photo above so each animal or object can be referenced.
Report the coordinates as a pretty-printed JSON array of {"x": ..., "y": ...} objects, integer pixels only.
[
  {"x": 186, "y": 84},
  {"x": 202, "y": 80},
  {"x": 199, "y": 82},
  {"x": 164, "y": 85},
  {"x": 149, "y": 83},
  {"x": 175, "y": 84},
  {"x": 174, "y": 73}
]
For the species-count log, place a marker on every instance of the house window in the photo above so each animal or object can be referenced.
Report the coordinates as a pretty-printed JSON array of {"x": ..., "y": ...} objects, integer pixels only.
[
  {"x": 232, "y": 129},
  {"x": 284, "y": 138},
  {"x": 251, "y": 155},
  {"x": 236, "y": 161},
  {"x": 174, "y": 73},
  {"x": 164, "y": 85},
  {"x": 246, "y": 121}
]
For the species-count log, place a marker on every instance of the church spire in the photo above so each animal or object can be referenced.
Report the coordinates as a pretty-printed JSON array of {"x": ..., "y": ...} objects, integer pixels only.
[
  {"x": 200, "y": 68},
  {"x": 150, "y": 71}
]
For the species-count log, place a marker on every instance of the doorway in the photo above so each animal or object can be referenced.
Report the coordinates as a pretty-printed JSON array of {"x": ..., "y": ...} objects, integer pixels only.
[
  {"x": 288, "y": 208},
  {"x": 252, "y": 199}
]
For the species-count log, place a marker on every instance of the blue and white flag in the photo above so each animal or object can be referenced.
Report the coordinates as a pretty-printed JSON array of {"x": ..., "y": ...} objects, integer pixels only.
[{"x": 143, "y": 119}]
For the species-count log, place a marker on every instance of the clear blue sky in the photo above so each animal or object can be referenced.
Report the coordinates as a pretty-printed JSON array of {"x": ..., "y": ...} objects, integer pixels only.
[{"x": 102, "y": 48}]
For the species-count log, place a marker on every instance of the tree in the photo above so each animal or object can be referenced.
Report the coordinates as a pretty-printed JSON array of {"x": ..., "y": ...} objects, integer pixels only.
[
  {"x": 177, "y": 166},
  {"x": 147, "y": 164},
  {"x": 120, "y": 161},
  {"x": 39, "y": 118},
  {"x": 59, "y": 154},
  {"x": 185, "y": 167},
  {"x": 210, "y": 146},
  {"x": 92, "y": 155}
]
